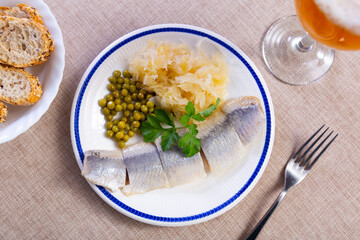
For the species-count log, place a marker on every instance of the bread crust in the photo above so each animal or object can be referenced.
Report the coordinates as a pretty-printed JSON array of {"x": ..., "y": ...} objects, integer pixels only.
[
  {"x": 45, "y": 52},
  {"x": 22, "y": 11},
  {"x": 35, "y": 92},
  {"x": 3, "y": 112}
]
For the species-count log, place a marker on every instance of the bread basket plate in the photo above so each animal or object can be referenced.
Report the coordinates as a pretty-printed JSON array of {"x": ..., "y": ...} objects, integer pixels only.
[
  {"x": 21, "y": 118},
  {"x": 189, "y": 203}
]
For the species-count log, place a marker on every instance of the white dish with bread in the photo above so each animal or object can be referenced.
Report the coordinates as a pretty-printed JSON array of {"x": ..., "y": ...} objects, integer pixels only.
[{"x": 32, "y": 61}]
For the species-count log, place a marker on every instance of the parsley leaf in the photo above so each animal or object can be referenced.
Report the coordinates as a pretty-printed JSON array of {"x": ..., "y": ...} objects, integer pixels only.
[
  {"x": 190, "y": 109},
  {"x": 149, "y": 132},
  {"x": 162, "y": 116},
  {"x": 189, "y": 143},
  {"x": 154, "y": 122},
  {"x": 168, "y": 139},
  {"x": 210, "y": 109},
  {"x": 185, "y": 119}
]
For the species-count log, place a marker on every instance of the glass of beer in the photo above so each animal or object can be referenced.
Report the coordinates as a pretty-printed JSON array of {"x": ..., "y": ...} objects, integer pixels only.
[{"x": 299, "y": 49}]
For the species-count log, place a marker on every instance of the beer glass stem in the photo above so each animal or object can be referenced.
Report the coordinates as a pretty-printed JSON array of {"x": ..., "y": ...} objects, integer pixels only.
[{"x": 305, "y": 43}]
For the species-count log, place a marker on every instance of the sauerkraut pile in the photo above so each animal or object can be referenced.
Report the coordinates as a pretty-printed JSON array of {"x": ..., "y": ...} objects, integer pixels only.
[{"x": 178, "y": 75}]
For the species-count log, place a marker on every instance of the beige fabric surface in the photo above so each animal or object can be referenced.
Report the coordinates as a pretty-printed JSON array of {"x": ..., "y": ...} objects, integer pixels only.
[{"x": 43, "y": 195}]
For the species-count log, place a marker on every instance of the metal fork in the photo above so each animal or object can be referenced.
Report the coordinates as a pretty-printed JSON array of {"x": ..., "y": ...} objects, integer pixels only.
[{"x": 296, "y": 169}]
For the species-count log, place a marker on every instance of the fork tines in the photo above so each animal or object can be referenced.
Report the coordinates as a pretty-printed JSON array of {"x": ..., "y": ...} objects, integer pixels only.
[{"x": 304, "y": 160}]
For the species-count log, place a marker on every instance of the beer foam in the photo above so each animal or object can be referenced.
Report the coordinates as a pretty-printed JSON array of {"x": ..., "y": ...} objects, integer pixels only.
[{"x": 345, "y": 13}]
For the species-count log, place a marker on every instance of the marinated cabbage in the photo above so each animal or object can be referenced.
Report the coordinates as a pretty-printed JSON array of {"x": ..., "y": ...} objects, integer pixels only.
[{"x": 178, "y": 75}]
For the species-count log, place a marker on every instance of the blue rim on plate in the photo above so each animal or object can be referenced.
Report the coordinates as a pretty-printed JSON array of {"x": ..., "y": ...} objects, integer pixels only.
[{"x": 267, "y": 113}]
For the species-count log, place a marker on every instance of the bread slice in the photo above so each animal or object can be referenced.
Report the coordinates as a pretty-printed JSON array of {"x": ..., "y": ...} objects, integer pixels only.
[
  {"x": 24, "y": 43},
  {"x": 22, "y": 11},
  {"x": 18, "y": 87},
  {"x": 3, "y": 112}
]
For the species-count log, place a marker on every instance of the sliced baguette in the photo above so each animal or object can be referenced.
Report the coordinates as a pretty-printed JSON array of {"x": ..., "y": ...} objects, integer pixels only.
[
  {"x": 22, "y": 11},
  {"x": 3, "y": 112},
  {"x": 18, "y": 87},
  {"x": 24, "y": 43}
]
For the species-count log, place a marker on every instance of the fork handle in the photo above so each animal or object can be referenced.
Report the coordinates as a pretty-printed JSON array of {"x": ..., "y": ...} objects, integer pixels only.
[{"x": 263, "y": 221}]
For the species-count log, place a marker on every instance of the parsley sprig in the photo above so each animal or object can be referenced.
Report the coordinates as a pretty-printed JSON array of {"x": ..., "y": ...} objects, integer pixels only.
[{"x": 189, "y": 143}]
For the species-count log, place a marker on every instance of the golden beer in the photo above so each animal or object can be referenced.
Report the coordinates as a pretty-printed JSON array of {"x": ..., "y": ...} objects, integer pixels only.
[{"x": 337, "y": 27}]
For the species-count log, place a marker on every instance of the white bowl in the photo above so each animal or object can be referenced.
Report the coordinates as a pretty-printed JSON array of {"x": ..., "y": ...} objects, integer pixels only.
[{"x": 21, "y": 118}]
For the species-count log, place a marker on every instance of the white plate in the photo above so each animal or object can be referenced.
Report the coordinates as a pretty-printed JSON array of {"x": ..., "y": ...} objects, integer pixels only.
[
  {"x": 190, "y": 203},
  {"x": 21, "y": 118}
]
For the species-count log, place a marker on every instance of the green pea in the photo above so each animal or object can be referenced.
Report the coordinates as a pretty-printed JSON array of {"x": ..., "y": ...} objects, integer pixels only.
[
  {"x": 117, "y": 101},
  {"x": 134, "y": 129},
  {"x": 151, "y": 110},
  {"x": 127, "y": 80},
  {"x": 136, "y": 124},
  {"x": 116, "y": 73},
  {"x": 132, "y": 88},
  {"x": 142, "y": 91},
  {"x": 121, "y": 124},
  {"x": 113, "y": 112},
  {"x": 120, "y": 80},
  {"x": 109, "y": 117},
  {"x": 109, "y": 125},
  {"x": 127, "y": 113},
  {"x": 102, "y": 102},
  {"x": 109, "y": 133},
  {"x": 143, "y": 102},
  {"x": 118, "y": 108},
  {"x": 140, "y": 96},
  {"x": 127, "y": 74},
  {"x": 116, "y": 94},
  {"x": 138, "y": 85},
  {"x": 105, "y": 111},
  {"x": 128, "y": 99},
  {"x": 110, "y": 105},
  {"x": 124, "y": 92},
  {"x": 137, "y": 116},
  {"x": 131, "y": 119},
  {"x": 131, "y": 133},
  {"x": 112, "y": 79},
  {"x": 143, "y": 117},
  {"x": 109, "y": 97},
  {"x": 126, "y": 138},
  {"x": 124, "y": 119},
  {"x": 125, "y": 86},
  {"x": 134, "y": 96},
  {"x": 127, "y": 127},
  {"x": 118, "y": 86},
  {"x": 137, "y": 105},
  {"x": 124, "y": 105},
  {"x": 148, "y": 97},
  {"x": 130, "y": 106},
  {"x": 121, "y": 144},
  {"x": 150, "y": 104},
  {"x": 116, "y": 121},
  {"x": 115, "y": 129},
  {"x": 119, "y": 135},
  {"x": 111, "y": 87}
]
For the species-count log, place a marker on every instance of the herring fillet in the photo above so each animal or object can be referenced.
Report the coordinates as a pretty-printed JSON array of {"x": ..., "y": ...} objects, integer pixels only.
[
  {"x": 178, "y": 168},
  {"x": 245, "y": 115},
  {"x": 220, "y": 143},
  {"x": 105, "y": 168},
  {"x": 144, "y": 168}
]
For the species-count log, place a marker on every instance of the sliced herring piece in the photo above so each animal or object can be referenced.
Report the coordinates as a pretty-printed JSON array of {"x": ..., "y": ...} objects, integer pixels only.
[
  {"x": 178, "y": 168},
  {"x": 220, "y": 143},
  {"x": 144, "y": 168},
  {"x": 245, "y": 115},
  {"x": 105, "y": 168}
]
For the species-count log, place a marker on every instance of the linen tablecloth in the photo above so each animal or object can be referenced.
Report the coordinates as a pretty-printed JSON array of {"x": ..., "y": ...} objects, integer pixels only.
[{"x": 43, "y": 195}]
